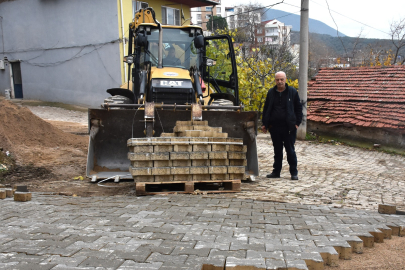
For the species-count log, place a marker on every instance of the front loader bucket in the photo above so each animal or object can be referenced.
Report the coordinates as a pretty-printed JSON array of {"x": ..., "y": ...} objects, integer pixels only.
[{"x": 110, "y": 130}]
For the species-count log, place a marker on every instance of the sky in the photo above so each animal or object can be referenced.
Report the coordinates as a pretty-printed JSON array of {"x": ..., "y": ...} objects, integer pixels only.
[{"x": 368, "y": 18}]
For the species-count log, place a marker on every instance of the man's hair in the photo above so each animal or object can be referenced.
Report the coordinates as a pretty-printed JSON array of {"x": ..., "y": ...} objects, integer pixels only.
[{"x": 280, "y": 72}]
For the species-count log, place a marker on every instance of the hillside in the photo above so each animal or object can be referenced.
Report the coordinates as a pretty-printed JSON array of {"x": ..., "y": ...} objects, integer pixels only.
[
  {"x": 346, "y": 44},
  {"x": 315, "y": 26}
]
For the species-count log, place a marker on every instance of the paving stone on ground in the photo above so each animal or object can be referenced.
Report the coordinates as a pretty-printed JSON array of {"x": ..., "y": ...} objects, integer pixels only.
[{"x": 183, "y": 232}]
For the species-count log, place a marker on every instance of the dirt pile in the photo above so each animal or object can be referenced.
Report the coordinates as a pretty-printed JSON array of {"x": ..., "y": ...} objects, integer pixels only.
[{"x": 32, "y": 140}]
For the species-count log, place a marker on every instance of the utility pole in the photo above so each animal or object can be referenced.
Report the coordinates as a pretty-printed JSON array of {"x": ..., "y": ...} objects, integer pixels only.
[
  {"x": 212, "y": 19},
  {"x": 303, "y": 68}
]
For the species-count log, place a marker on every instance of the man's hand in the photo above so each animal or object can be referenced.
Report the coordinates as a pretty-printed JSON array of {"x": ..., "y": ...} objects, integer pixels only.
[
  {"x": 296, "y": 126},
  {"x": 264, "y": 129}
]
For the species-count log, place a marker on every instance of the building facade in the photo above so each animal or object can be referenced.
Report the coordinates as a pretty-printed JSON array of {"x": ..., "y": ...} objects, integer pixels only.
[{"x": 72, "y": 51}]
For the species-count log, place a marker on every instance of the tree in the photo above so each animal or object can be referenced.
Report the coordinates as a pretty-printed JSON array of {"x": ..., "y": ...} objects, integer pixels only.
[
  {"x": 256, "y": 69},
  {"x": 397, "y": 32},
  {"x": 218, "y": 22}
]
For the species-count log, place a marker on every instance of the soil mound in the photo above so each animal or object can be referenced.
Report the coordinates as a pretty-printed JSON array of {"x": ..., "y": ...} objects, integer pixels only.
[{"x": 30, "y": 139}]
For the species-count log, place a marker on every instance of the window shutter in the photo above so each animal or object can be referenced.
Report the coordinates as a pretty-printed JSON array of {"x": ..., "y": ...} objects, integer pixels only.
[
  {"x": 164, "y": 17},
  {"x": 176, "y": 17}
]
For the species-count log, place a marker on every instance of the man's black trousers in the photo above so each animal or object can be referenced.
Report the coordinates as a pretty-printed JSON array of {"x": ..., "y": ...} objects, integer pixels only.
[{"x": 281, "y": 136}]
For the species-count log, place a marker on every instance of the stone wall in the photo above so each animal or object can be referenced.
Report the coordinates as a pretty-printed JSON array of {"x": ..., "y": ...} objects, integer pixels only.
[{"x": 371, "y": 134}]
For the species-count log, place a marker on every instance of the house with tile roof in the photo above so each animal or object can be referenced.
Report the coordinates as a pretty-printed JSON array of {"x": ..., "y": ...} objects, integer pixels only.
[{"x": 366, "y": 103}]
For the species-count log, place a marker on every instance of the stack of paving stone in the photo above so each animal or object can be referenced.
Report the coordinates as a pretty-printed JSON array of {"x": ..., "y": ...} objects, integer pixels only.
[{"x": 194, "y": 152}]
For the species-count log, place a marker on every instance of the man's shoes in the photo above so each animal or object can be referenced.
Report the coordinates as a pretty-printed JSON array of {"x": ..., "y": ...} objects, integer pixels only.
[
  {"x": 294, "y": 177},
  {"x": 273, "y": 175}
]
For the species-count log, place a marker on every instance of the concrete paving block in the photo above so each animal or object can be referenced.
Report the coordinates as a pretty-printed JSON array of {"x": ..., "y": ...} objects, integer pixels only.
[
  {"x": 3, "y": 194},
  {"x": 140, "y": 171},
  {"x": 207, "y": 263},
  {"x": 200, "y": 123},
  {"x": 192, "y": 133},
  {"x": 387, "y": 209},
  {"x": 22, "y": 196},
  {"x": 233, "y": 263},
  {"x": 236, "y": 169},
  {"x": 160, "y": 156},
  {"x": 296, "y": 265},
  {"x": 219, "y": 176},
  {"x": 163, "y": 178},
  {"x": 200, "y": 162},
  {"x": 201, "y": 177},
  {"x": 142, "y": 163},
  {"x": 199, "y": 170},
  {"x": 274, "y": 264},
  {"x": 162, "y": 163},
  {"x": 238, "y": 162},
  {"x": 9, "y": 192},
  {"x": 182, "y": 128},
  {"x": 218, "y": 140},
  {"x": 179, "y": 155},
  {"x": 199, "y": 155},
  {"x": 181, "y": 163},
  {"x": 401, "y": 230},
  {"x": 219, "y": 147},
  {"x": 237, "y": 148},
  {"x": 218, "y": 169},
  {"x": 160, "y": 140},
  {"x": 144, "y": 178},
  {"x": 139, "y": 156},
  {"x": 235, "y": 140},
  {"x": 378, "y": 236},
  {"x": 179, "y": 170},
  {"x": 394, "y": 229},
  {"x": 201, "y": 147},
  {"x": 219, "y": 162},
  {"x": 218, "y": 155},
  {"x": 130, "y": 265},
  {"x": 236, "y": 155},
  {"x": 160, "y": 171},
  {"x": 237, "y": 176},
  {"x": 219, "y": 134},
  {"x": 184, "y": 123},
  {"x": 182, "y": 148},
  {"x": 367, "y": 238},
  {"x": 329, "y": 254},
  {"x": 168, "y": 135},
  {"x": 141, "y": 149},
  {"x": 202, "y": 127},
  {"x": 162, "y": 148},
  {"x": 183, "y": 177}
]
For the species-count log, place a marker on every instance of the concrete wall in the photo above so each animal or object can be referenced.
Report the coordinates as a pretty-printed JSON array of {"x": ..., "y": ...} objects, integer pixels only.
[
  {"x": 69, "y": 50},
  {"x": 373, "y": 135}
]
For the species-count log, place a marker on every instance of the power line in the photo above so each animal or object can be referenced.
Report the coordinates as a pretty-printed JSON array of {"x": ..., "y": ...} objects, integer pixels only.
[{"x": 343, "y": 16}]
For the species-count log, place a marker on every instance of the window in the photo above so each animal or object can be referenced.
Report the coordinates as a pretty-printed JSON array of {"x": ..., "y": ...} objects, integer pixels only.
[
  {"x": 137, "y": 5},
  {"x": 170, "y": 16},
  {"x": 199, "y": 17},
  {"x": 259, "y": 31},
  {"x": 208, "y": 8},
  {"x": 232, "y": 18},
  {"x": 218, "y": 10},
  {"x": 259, "y": 39},
  {"x": 198, "y": 8}
]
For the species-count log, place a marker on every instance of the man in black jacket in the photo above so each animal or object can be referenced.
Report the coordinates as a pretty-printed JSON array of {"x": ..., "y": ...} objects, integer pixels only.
[{"x": 282, "y": 114}]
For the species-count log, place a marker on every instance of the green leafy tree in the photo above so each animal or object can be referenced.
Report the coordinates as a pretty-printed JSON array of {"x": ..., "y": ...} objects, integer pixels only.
[{"x": 218, "y": 22}]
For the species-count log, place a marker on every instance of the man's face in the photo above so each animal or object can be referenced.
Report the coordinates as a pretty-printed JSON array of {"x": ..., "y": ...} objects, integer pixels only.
[
  {"x": 280, "y": 80},
  {"x": 171, "y": 53}
]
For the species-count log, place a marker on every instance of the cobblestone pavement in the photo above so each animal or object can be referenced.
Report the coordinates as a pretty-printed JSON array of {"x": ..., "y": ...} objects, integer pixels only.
[
  {"x": 336, "y": 175},
  {"x": 182, "y": 232}
]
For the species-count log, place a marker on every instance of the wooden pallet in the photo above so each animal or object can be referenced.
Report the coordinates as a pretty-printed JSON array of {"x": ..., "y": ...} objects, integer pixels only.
[{"x": 188, "y": 187}]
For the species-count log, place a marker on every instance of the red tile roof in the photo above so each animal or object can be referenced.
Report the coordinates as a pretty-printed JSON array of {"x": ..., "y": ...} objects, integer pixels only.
[{"x": 362, "y": 96}]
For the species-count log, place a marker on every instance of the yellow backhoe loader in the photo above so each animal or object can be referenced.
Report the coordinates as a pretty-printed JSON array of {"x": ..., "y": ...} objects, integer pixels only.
[{"x": 176, "y": 74}]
